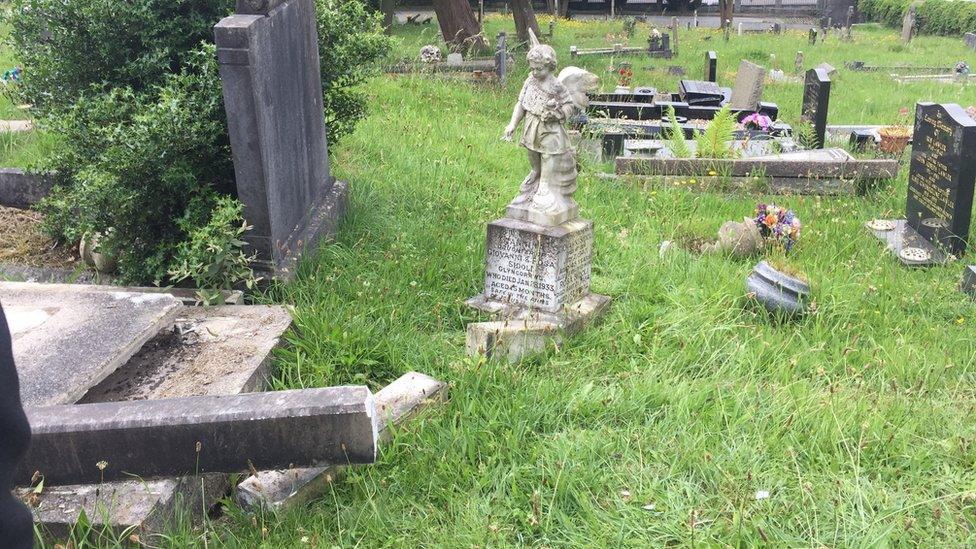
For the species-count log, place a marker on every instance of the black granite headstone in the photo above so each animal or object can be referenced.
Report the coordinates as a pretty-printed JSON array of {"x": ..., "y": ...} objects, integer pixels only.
[
  {"x": 697, "y": 92},
  {"x": 711, "y": 66},
  {"x": 816, "y": 98},
  {"x": 942, "y": 175}
]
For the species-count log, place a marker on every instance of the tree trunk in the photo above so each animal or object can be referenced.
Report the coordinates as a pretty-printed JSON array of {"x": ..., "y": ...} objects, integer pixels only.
[
  {"x": 725, "y": 12},
  {"x": 459, "y": 25},
  {"x": 524, "y": 19},
  {"x": 388, "y": 7}
]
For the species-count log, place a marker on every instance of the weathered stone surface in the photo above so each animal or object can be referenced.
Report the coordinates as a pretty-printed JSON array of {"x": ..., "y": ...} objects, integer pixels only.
[
  {"x": 68, "y": 338},
  {"x": 270, "y": 73},
  {"x": 748, "y": 88},
  {"x": 128, "y": 506},
  {"x": 19, "y": 189},
  {"x": 968, "y": 284},
  {"x": 203, "y": 434},
  {"x": 526, "y": 333},
  {"x": 395, "y": 404},
  {"x": 218, "y": 350},
  {"x": 970, "y": 39},
  {"x": 538, "y": 267},
  {"x": 210, "y": 351}
]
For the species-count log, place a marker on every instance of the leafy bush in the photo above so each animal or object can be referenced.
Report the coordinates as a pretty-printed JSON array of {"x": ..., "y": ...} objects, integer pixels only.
[
  {"x": 945, "y": 17},
  {"x": 133, "y": 90},
  {"x": 213, "y": 257},
  {"x": 148, "y": 166}
]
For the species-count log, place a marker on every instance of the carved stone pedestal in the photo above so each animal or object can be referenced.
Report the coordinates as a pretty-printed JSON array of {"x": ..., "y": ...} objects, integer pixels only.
[{"x": 537, "y": 286}]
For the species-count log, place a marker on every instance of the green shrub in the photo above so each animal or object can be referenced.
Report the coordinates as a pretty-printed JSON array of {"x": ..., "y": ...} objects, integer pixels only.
[
  {"x": 944, "y": 17},
  {"x": 148, "y": 166},
  {"x": 213, "y": 257},
  {"x": 132, "y": 89}
]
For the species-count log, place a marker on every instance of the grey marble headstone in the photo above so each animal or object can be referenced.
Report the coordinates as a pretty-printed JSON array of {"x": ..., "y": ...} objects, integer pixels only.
[
  {"x": 970, "y": 39},
  {"x": 270, "y": 72},
  {"x": 908, "y": 23},
  {"x": 748, "y": 89}
]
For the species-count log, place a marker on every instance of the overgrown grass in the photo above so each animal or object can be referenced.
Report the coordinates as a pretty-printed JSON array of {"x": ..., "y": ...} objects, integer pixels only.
[{"x": 659, "y": 425}]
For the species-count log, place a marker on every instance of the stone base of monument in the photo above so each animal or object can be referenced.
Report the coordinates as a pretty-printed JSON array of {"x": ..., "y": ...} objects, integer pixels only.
[
  {"x": 527, "y": 332},
  {"x": 537, "y": 287},
  {"x": 907, "y": 244},
  {"x": 319, "y": 225}
]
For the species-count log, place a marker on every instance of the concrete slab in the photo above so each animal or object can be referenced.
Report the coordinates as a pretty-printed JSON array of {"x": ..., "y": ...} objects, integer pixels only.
[
  {"x": 207, "y": 361},
  {"x": 202, "y": 434},
  {"x": 68, "y": 338},
  {"x": 209, "y": 351},
  {"x": 396, "y": 403}
]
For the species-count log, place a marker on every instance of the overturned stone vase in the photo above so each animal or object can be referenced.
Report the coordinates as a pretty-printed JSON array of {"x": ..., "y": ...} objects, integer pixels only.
[
  {"x": 778, "y": 292},
  {"x": 740, "y": 240}
]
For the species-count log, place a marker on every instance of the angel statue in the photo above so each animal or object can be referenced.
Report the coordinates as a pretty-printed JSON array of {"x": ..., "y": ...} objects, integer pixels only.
[{"x": 545, "y": 104}]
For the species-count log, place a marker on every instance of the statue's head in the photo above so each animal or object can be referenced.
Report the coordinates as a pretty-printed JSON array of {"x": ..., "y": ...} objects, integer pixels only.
[{"x": 542, "y": 60}]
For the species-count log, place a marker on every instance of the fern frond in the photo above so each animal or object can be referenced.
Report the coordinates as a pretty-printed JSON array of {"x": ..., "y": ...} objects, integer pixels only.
[
  {"x": 676, "y": 136},
  {"x": 715, "y": 141}
]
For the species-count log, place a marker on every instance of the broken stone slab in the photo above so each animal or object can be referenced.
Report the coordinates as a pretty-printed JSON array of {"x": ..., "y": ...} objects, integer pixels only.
[
  {"x": 968, "y": 284},
  {"x": 524, "y": 332},
  {"x": 782, "y": 166},
  {"x": 395, "y": 404},
  {"x": 16, "y": 126},
  {"x": 204, "y": 434},
  {"x": 209, "y": 351},
  {"x": 68, "y": 338},
  {"x": 126, "y": 507}
]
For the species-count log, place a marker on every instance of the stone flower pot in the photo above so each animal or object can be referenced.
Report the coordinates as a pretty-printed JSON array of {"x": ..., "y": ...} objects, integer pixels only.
[
  {"x": 894, "y": 139},
  {"x": 778, "y": 292}
]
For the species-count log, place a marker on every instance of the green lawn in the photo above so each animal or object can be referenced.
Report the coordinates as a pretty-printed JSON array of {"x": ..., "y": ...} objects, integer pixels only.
[{"x": 659, "y": 425}]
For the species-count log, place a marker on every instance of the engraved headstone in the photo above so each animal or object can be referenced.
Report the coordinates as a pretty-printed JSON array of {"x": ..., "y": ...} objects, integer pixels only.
[
  {"x": 798, "y": 62},
  {"x": 816, "y": 99},
  {"x": 941, "y": 180},
  {"x": 748, "y": 89},
  {"x": 711, "y": 66},
  {"x": 942, "y": 175},
  {"x": 970, "y": 39},
  {"x": 272, "y": 87},
  {"x": 908, "y": 23}
]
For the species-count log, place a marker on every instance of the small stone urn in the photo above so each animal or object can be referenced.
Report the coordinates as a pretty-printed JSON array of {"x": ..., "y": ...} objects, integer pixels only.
[{"x": 778, "y": 292}]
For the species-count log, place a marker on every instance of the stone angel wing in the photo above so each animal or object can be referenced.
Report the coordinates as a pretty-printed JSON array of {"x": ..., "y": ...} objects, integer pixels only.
[{"x": 578, "y": 83}]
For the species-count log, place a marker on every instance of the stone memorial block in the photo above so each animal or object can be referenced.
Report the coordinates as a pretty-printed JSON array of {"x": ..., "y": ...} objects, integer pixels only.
[
  {"x": 816, "y": 99},
  {"x": 942, "y": 175},
  {"x": 748, "y": 89},
  {"x": 455, "y": 59},
  {"x": 536, "y": 267},
  {"x": 968, "y": 284},
  {"x": 711, "y": 66},
  {"x": 272, "y": 87},
  {"x": 812, "y": 38},
  {"x": 798, "y": 62},
  {"x": 696, "y": 92}
]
